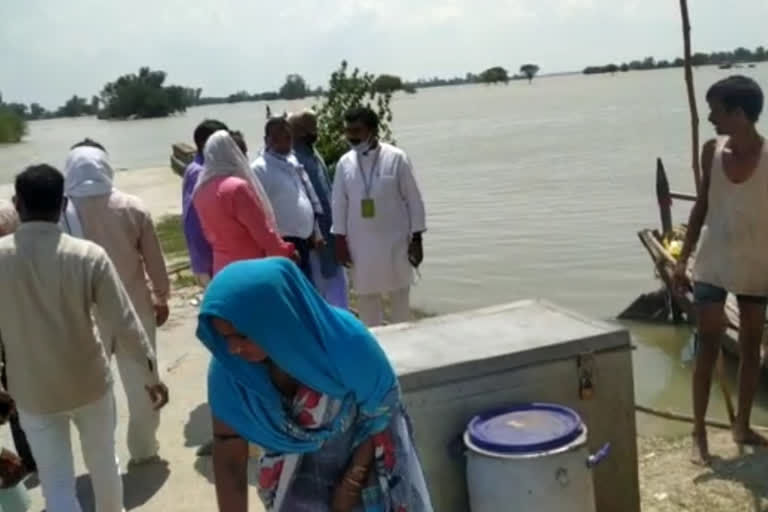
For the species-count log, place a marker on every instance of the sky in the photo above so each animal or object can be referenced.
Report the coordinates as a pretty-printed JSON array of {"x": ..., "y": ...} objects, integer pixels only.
[{"x": 52, "y": 49}]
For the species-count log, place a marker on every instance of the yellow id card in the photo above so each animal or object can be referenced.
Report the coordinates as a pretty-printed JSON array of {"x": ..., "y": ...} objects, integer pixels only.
[{"x": 368, "y": 208}]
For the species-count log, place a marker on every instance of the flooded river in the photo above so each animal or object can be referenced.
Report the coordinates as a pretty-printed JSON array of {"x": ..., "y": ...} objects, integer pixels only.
[{"x": 532, "y": 191}]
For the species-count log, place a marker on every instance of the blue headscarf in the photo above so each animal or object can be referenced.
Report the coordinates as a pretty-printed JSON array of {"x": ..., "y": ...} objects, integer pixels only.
[{"x": 327, "y": 349}]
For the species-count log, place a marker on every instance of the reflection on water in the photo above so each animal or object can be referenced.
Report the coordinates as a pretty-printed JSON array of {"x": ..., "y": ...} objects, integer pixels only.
[
  {"x": 531, "y": 191},
  {"x": 663, "y": 368}
]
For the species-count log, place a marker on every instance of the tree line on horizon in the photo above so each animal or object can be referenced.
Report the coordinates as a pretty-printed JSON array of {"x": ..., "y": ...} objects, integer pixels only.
[{"x": 740, "y": 55}]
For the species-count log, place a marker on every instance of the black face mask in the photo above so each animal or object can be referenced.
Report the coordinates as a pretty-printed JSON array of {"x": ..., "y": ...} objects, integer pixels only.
[{"x": 310, "y": 138}]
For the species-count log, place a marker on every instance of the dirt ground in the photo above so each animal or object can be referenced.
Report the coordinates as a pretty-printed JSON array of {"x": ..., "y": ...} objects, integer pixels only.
[{"x": 736, "y": 482}]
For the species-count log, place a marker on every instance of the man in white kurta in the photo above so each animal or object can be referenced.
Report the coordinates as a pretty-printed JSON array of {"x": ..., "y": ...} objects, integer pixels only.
[{"x": 378, "y": 219}]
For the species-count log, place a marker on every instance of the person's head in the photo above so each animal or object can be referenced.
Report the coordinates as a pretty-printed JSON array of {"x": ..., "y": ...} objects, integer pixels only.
[
  {"x": 735, "y": 104},
  {"x": 39, "y": 194},
  {"x": 304, "y": 127},
  {"x": 277, "y": 135},
  {"x": 239, "y": 139},
  {"x": 223, "y": 156},
  {"x": 361, "y": 126},
  {"x": 87, "y": 171},
  {"x": 9, "y": 218},
  {"x": 205, "y": 130},
  {"x": 88, "y": 143}
]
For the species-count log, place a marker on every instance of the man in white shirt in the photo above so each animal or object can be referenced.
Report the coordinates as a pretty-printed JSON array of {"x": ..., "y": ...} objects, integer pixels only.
[
  {"x": 58, "y": 371},
  {"x": 290, "y": 191},
  {"x": 378, "y": 219}
]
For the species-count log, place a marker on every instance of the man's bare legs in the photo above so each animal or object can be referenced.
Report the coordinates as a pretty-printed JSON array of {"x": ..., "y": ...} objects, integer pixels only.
[
  {"x": 751, "y": 322},
  {"x": 711, "y": 327}
]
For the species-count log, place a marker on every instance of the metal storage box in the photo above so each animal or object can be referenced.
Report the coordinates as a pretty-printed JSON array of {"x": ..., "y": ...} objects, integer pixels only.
[{"x": 455, "y": 366}]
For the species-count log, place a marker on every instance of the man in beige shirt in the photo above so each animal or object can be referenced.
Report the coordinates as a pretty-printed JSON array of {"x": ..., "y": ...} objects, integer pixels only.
[
  {"x": 57, "y": 369},
  {"x": 123, "y": 227}
]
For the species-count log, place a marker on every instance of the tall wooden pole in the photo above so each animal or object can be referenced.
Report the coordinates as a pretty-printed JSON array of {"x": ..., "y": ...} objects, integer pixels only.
[{"x": 691, "y": 96}]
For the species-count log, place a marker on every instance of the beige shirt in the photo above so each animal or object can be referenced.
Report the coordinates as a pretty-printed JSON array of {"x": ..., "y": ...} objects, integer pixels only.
[
  {"x": 49, "y": 284},
  {"x": 123, "y": 227}
]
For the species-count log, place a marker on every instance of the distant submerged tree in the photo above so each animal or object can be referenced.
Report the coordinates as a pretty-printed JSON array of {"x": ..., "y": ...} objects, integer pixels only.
[
  {"x": 494, "y": 75},
  {"x": 345, "y": 91},
  {"x": 75, "y": 107},
  {"x": 36, "y": 111},
  {"x": 387, "y": 83},
  {"x": 529, "y": 71},
  {"x": 294, "y": 88},
  {"x": 13, "y": 126},
  {"x": 143, "y": 95}
]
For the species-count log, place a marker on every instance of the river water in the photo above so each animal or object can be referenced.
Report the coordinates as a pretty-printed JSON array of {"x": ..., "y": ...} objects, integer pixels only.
[{"x": 531, "y": 191}]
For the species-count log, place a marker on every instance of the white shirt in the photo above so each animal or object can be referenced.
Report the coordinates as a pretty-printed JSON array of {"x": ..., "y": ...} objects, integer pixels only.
[
  {"x": 378, "y": 245},
  {"x": 288, "y": 192}
]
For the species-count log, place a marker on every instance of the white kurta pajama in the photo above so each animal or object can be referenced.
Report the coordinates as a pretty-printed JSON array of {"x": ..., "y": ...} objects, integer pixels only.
[{"x": 379, "y": 245}]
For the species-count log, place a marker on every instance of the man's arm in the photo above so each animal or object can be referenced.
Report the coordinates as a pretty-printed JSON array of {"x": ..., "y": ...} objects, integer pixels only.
[
  {"x": 154, "y": 262},
  {"x": 701, "y": 207},
  {"x": 409, "y": 190},
  {"x": 114, "y": 308},
  {"x": 339, "y": 204}
]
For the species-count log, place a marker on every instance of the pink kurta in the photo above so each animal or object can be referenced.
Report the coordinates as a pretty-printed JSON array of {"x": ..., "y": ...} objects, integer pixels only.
[{"x": 234, "y": 223}]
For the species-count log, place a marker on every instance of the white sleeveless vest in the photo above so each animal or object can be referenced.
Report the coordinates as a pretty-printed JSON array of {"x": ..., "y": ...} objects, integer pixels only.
[{"x": 733, "y": 251}]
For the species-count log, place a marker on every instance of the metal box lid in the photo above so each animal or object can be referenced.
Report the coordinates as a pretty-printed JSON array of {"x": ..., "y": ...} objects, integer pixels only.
[{"x": 500, "y": 338}]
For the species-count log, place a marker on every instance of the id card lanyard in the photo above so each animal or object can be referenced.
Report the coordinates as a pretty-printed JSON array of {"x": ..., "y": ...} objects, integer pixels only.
[{"x": 367, "y": 205}]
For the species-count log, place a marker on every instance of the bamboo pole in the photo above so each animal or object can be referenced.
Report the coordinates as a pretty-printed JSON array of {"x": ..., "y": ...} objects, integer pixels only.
[
  {"x": 685, "y": 418},
  {"x": 691, "y": 96}
]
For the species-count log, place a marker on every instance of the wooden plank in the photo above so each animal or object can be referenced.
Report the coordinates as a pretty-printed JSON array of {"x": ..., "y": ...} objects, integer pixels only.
[
  {"x": 663, "y": 198},
  {"x": 683, "y": 196}
]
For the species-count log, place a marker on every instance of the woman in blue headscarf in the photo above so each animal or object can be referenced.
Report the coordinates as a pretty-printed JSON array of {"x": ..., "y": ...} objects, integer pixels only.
[{"x": 311, "y": 386}]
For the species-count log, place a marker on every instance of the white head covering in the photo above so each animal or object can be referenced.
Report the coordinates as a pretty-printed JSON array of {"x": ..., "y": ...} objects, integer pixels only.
[
  {"x": 87, "y": 173},
  {"x": 222, "y": 157}
]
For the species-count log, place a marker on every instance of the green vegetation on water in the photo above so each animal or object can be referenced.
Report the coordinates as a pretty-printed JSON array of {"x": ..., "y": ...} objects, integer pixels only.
[
  {"x": 725, "y": 59},
  {"x": 13, "y": 126}
]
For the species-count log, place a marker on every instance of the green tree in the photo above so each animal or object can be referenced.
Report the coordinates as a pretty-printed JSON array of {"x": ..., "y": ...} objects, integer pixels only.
[
  {"x": 387, "y": 83},
  {"x": 529, "y": 71},
  {"x": 74, "y": 107},
  {"x": 494, "y": 75},
  {"x": 143, "y": 95},
  {"x": 12, "y": 126},
  {"x": 345, "y": 91},
  {"x": 294, "y": 88},
  {"x": 36, "y": 111}
]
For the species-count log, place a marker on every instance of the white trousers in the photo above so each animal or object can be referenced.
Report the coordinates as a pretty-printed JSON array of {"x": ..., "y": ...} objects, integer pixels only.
[
  {"x": 143, "y": 420},
  {"x": 49, "y": 437},
  {"x": 371, "y": 307}
]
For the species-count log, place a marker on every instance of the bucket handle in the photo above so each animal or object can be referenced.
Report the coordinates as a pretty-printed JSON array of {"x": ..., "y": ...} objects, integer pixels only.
[{"x": 598, "y": 457}]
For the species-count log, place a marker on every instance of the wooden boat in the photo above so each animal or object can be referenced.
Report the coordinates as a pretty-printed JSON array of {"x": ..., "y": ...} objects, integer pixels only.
[
  {"x": 679, "y": 305},
  {"x": 181, "y": 155}
]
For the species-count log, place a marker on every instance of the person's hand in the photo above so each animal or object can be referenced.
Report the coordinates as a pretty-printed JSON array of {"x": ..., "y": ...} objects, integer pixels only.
[
  {"x": 161, "y": 314},
  {"x": 680, "y": 277},
  {"x": 342, "y": 251},
  {"x": 416, "y": 251},
  {"x": 12, "y": 469},
  {"x": 346, "y": 497},
  {"x": 318, "y": 243},
  {"x": 158, "y": 394}
]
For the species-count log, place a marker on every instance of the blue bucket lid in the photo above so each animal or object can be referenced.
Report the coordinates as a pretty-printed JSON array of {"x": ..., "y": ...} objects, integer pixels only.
[{"x": 525, "y": 429}]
